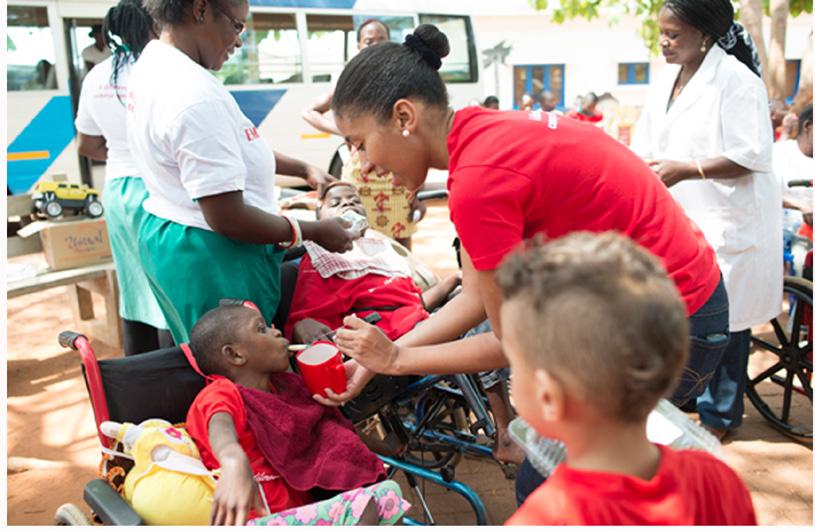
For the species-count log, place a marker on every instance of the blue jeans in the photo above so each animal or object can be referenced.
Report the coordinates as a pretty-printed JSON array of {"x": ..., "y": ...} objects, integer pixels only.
[
  {"x": 709, "y": 334},
  {"x": 527, "y": 479},
  {"x": 722, "y": 404}
]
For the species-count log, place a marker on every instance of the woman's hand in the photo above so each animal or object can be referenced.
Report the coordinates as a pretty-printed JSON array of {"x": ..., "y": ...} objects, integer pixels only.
[
  {"x": 358, "y": 377},
  {"x": 333, "y": 235},
  {"x": 317, "y": 178},
  {"x": 416, "y": 206},
  {"x": 672, "y": 171},
  {"x": 236, "y": 492},
  {"x": 368, "y": 345}
]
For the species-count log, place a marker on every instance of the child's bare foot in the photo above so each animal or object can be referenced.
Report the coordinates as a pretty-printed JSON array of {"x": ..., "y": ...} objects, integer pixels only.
[
  {"x": 507, "y": 450},
  {"x": 369, "y": 515}
]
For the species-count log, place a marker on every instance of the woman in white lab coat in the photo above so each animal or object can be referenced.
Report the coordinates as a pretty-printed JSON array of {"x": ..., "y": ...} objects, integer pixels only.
[{"x": 706, "y": 131}]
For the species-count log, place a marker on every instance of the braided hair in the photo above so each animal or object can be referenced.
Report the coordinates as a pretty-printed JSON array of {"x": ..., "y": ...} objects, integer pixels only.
[
  {"x": 127, "y": 29},
  {"x": 715, "y": 18}
]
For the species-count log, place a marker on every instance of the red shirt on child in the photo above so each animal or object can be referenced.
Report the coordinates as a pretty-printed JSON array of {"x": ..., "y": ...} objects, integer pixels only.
[
  {"x": 397, "y": 300},
  {"x": 689, "y": 488},
  {"x": 223, "y": 396},
  {"x": 517, "y": 174},
  {"x": 579, "y": 116}
]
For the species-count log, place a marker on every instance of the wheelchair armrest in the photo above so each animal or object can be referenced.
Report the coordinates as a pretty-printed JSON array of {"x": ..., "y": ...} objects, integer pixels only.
[{"x": 108, "y": 505}]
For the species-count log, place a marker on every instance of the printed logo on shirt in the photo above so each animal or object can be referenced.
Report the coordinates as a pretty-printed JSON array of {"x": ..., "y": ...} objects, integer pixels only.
[
  {"x": 131, "y": 101},
  {"x": 251, "y": 134}
]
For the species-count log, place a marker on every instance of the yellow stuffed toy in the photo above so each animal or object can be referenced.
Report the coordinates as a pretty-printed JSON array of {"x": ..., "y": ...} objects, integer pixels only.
[{"x": 168, "y": 485}]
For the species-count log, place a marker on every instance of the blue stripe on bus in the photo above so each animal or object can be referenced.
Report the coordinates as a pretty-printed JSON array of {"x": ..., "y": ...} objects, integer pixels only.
[
  {"x": 257, "y": 104},
  {"x": 52, "y": 129},
  {"x": 329, "y": 4}
]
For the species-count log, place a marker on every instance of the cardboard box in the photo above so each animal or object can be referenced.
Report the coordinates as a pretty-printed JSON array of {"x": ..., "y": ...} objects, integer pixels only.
[{"x": 69, "y": 244}]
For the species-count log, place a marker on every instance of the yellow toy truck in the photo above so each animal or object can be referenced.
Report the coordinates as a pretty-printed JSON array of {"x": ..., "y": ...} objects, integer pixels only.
[{"x": 52, "y": 199}]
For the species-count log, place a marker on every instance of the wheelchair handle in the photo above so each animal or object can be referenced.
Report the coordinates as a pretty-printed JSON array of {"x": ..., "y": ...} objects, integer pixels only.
[
  {"x": 67, "y": 339},
  {"x": 431, "y": 194},
  {"x": 807, "y": 183}
]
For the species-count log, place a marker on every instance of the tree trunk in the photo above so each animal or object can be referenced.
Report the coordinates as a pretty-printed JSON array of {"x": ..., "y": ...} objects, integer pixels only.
[
  {"x": 751, "y": 15},
  {"x": 776, "y": 71},
  {"x": 804, "y": 95}
]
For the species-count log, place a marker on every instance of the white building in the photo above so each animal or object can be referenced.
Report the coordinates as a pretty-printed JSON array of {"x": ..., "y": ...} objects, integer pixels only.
[{"x": 579, "y": 56}]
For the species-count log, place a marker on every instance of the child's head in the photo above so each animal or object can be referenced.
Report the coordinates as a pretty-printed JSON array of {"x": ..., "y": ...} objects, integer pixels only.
[
  {"x": 591, "y": 323},
  {"x": 233, "y": 339},
  {"x": 338, "y": 198}
]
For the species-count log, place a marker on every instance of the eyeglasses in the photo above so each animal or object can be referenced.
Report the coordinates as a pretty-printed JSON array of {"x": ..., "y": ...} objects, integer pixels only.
[{"x": 237, "y": 26}]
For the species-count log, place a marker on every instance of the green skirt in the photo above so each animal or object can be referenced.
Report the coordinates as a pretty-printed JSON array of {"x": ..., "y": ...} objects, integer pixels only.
[
  {"x": 123, "y": 199},
  {"x": 190, "y": 270}
]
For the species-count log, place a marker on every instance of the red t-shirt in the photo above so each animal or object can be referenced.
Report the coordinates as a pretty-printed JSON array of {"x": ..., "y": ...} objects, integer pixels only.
[
  {"x": 517, "y": 174},
  {"x": 689, "y": 488},
  {"x": 593, "y": 119},
  {"x": 328, "y": 300},
  {"x": 223, "y": 396}
]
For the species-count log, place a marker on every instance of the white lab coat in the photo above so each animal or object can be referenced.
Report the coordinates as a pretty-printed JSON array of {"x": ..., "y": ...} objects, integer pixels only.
[{"x": 724, "y": 111}]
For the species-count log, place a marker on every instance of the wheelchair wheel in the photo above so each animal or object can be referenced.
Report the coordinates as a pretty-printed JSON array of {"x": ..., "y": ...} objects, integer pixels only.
[
  {"x": 441, "y": 421},
  {"x": 781, "y": 390},
  {"x": 70, "y": 514}
]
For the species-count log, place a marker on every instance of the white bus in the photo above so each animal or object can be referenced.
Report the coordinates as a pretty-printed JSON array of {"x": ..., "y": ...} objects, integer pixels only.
[{"x": 293, "y": 52}]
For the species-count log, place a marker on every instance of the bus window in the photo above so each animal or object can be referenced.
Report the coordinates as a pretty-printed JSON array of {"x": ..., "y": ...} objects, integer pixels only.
[
  {"x": 328, "y": 44},
  {"x": 31, "y": 53},
  {"x": 460, "y": 66},
  {"x": 399, "y": 26},
  {"x": 270, "y": 52}
]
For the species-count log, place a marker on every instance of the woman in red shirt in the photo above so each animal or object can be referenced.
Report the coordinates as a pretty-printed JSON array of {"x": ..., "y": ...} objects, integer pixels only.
[{"x": 512, "y": 176}]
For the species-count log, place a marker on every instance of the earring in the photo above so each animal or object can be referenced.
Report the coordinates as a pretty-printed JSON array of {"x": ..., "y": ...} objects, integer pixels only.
[
  {"x": 405, "y": 133},
  {"x": 704, "y": 47}
]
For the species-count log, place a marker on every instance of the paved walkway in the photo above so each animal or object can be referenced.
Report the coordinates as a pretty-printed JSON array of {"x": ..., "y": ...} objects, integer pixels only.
[{"x": 50, "y": 423}]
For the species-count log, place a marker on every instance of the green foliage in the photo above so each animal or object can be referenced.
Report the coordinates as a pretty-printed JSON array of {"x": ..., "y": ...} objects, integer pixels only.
[{"x": 645, "y": 10}]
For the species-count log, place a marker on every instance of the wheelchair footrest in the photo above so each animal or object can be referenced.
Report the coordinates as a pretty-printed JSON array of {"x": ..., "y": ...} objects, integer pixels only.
[{"x": 108, "y": 505}]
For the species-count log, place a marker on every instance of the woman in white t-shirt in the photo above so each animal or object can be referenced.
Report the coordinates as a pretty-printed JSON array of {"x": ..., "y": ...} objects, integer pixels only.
[
  {"x": 102, "y": 135},
  {"x": 211, "y": 221}
]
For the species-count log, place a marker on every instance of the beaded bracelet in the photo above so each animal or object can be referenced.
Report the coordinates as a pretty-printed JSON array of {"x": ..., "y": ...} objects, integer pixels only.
[{"x": 296, "y": 233}]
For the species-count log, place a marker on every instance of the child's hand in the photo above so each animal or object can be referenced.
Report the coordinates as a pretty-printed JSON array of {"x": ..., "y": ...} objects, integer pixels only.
[
  {"x": 236, "y": 492},
  {"x": 358, "y": 378}
]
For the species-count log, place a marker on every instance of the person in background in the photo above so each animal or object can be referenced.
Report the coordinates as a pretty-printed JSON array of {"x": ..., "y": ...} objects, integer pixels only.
[
  {"x": 792, "y": 161},
  {"x": 212, "y": 228},
  {"x": 102, "y": 135},
  {"x": 527, "y": 102},
  {"x": 548, "y": 101},
  {"x": 587, "y": 110},
  {"x": 789, "y": 127},
  {"x": 491, "y": 102},
  {"x": 97, "y": 52},
  {"x": 391, "y": 209},
  {"x": 44, "y": 76},
  {"x": 591, "y": 383},
  {"x": 706, "y": 132},
  {"x": 778, "y": 111}
]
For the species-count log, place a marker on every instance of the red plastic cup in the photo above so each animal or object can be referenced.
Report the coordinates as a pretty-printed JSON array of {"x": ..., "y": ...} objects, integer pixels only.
[{"x": 321, "y": 366}]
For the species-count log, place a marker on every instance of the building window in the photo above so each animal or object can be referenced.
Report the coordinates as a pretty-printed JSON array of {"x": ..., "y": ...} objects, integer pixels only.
[
  {"x": 533, "y": 80},
  {"x": 633, "y": 73},
  {"x": 31, "y": 56},
  {"x": 793, "y": 79}
]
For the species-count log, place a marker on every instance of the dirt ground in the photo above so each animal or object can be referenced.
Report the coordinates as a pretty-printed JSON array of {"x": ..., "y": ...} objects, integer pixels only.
[{"x": 53, "y": 449}]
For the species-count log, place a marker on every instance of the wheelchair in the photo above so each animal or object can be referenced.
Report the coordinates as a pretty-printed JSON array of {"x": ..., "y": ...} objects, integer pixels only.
[
  {"x": 782, "y": 391},
  {"x": 430, "y": 416}
]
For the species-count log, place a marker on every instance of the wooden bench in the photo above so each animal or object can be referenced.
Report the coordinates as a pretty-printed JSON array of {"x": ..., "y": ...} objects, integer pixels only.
[{"x": 81, "y": 282}]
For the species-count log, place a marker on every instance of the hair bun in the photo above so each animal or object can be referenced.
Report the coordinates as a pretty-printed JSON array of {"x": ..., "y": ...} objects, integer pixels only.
[{"x": 430, "y": 43}]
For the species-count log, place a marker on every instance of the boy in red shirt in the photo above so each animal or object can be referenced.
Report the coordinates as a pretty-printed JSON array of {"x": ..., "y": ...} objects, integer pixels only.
[
  {"x": 259, "y": 424},
  {"x": 596, "y": 333}
]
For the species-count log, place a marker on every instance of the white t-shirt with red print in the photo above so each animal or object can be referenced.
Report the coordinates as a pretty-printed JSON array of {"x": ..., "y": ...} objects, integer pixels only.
[{"x": 191, "y": 140}]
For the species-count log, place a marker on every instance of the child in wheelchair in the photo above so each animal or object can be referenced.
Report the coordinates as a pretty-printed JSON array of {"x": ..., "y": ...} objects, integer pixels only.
[
  {"x": 259, "y": 425},
  {"x": 596, "y": 333}
]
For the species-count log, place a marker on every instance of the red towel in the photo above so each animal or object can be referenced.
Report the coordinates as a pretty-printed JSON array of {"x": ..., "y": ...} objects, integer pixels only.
[{"x": 310, "y": 445}]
